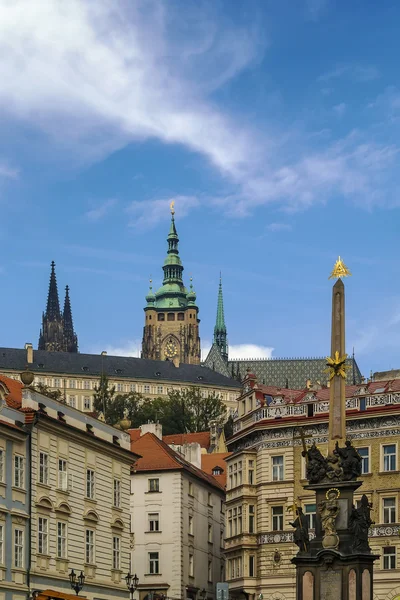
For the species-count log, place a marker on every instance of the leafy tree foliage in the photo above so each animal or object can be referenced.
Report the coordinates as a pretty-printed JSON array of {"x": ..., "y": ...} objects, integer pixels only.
[
  {"x": 103, "y": 396},
  {"x": 46, "y": 391}
]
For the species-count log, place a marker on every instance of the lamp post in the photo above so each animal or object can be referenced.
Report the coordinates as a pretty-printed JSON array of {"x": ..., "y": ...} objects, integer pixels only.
[
  {"x": 77, "y": 582},
  {"x": 132, "y": 582},
  {"x": 203, "y": 593}
]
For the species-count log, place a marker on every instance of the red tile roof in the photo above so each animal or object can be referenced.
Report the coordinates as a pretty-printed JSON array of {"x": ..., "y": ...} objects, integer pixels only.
[
  {"x": 156, "y": 455},
  {"x": 14, "y": 388},
  {"x": 202, "y": 438},
  {"x": 210, "y": 461},
  {"x": 135, "y": 434}
]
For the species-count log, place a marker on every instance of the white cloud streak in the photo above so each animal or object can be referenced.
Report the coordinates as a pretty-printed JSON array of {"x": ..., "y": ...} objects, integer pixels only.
[
  {"x": 144, "y": 215},
  {"x": 279, "y": 227},
  {"x": 100, "y": 211},
  {"x": 120, "y": 72},
  {"x": 8, "y": 172}
]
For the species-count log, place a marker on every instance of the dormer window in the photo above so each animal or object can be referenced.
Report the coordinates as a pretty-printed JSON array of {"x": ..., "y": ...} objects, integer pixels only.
[{"x": 217, "y": 471}]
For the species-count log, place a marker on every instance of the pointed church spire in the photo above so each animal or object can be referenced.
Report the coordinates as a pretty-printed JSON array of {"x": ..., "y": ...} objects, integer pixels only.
[
  {"x": 53, "y": 304},
  {"x": 70, "y": 338},
  {"x": 220, "y": 333}
]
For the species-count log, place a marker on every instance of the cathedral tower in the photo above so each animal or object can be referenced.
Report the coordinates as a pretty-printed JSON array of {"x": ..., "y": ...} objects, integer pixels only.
[
  {"x": 220, "y": 333},
  {"x": 57, "y": 332},
  {"x": 171, "y": 330}
]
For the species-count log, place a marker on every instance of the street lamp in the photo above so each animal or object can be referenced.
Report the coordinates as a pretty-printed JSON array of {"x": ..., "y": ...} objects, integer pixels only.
[
  {"x": 132, "y": 582},
  {"x": 76, "y": 582},
  {"x": 203, "y": 593}
]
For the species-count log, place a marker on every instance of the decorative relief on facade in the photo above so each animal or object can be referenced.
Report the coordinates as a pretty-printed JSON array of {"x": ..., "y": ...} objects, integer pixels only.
[{"x": 279, "y": 537}]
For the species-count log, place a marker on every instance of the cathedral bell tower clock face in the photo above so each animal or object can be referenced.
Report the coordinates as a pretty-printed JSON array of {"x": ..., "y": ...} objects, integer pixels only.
[{"x": 170, "y": 349}]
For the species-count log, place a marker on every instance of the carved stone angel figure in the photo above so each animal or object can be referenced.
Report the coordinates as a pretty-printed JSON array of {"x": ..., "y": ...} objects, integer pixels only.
[{"x": 329, "y": 510}]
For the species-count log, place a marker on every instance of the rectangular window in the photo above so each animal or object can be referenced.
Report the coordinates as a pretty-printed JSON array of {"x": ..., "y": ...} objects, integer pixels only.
[
  {"x": 310, "y": 511},
  {"x": 389, "y": 510},
  {"x": 160, "y": 389},
  {"x": 89, "y": 547},
  {"x": 251, "y": 566},
  {"x": 389, "y": 457},
  {"x": 221, "y": 538},
  {"x": 116, "y": 552},
  {"x": 18, "y": 471},
  {"x": 154, "y": 522},
  {"x": 277, "y": 468},
  {"x": 146, "y": 389},
  {"x": 61, "y": 540},
  {"x": 250, "y": 474},
  {"x": 132, "y": 387},
  {"x": 209, "y": 501},
  {"x": 72, "y": 384},
  {"x": 154, "y": 485},
  {"x": 389, "y": 557},
  {"x": 190, "y": 488},
  {"x": 190, "y": 525},
  {"x": 18, "y": 548},
  {"x": 251, "y": 518},
  {"x": 86, "y": 385},
  {"x": 62, "y": 474},
  {"x": 2, "y": 470},
  {"x": 117, "y": 493},
  {"x": 90, "y": 483},
  {"x": 43, "y": 535},
  {"x": 43, "y": 468},
  {"x": 1, "y": 544},
  {"x": 364, "y": 453},
  {"x": 154, "y": 563},
  {"x": 277, "y": 518},
  {"x": 191, "y": 565},
  {"x": 209, "y": 570},
  {"x": 72, "y": 401},
  {"x": 210, "y": 534},
  {"x": 57, "y": 383},
  {"x": 87, "y": 405}
]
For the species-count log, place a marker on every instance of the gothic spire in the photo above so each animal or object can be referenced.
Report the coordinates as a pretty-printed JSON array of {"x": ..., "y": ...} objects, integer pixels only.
[
  {"x": 53, "y": 304},
  {"x": 220, "y": 333},
  {"x": 70, "y": 338}
]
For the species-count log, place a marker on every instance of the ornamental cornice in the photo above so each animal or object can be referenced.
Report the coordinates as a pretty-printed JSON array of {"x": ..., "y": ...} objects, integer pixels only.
[{"x": 281, "y": 537}]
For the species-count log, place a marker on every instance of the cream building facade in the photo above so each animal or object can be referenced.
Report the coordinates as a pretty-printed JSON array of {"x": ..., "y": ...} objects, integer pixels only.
[
  {"x": 266, "y": 474},
  {"x": 78, "y": 485},
  {"x": 178, "y": 520},
  {"x": 76, "y": 375}
]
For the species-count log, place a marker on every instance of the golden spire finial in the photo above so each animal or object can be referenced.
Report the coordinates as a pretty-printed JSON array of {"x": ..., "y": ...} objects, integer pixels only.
[
  {"x": 172, "y": 207},
  {"x": 339, "y": 270}
]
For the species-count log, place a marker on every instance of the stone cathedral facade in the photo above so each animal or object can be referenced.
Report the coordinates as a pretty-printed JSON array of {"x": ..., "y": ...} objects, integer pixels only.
[{"x": 171, "y": 330}]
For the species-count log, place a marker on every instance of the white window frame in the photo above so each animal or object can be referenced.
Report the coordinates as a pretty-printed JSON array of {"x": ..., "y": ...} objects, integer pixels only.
[
  {"x": 43, "y": 535},
  {"x": 89, "y": 547},
  {"x": 43, "y": 468},
  {"x": 72, "y": 384},
  {"x": 86, "y": 385},
  {"x": 191, "y": 565},
  {"x": 389, "y": 509},
  {"x": 389, "y": 457},
  {"x": 62, "y": 474},
  {"x": 311, "y": 515},
  {"x": 190, "y": 526},
  {"x": 18, "y": 548},
  {"x": 146, "y": 388},
  {"x": 61, "y": 539},
  {"x": 278, "y": 470},
  {"x": 116, "y": 553},
  {"x": 388, "y": 559},
  {"x": 153, "y": 521},
  {"x": 210, "y": 533},
  {"x": 19, "y": 471},
  {"x": 363, "y": 459},
  {"x": 151, "y": 485},
  {"x": 90, "y": 490},
  {"x": 87, "y": 403},
  {"x": 280, "y": 516},
  {"x": 154, "y": 563}
]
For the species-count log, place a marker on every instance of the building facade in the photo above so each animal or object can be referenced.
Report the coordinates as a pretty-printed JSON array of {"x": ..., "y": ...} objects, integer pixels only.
[
  {"x": 178, "y": 520},
  {"x": 14, "y": 499},
  {"x": 171, "y": 330},
  {"x": 77, "y": 482},
  {"x": 57, "y": 333},
  {"x": 266, "y": 474},
  {"x": 76, "y": 375}
]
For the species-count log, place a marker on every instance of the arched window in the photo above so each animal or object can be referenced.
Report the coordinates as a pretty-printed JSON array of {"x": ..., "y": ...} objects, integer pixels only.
[
  {"x": 161, "y": 316},
  {"x": 181, "y": 317},
  {"x": 171, "y": 317}
]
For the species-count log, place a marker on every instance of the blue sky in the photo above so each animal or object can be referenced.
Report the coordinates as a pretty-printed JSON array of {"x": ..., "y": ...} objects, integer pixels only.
[{"x": 274, "y": 126}]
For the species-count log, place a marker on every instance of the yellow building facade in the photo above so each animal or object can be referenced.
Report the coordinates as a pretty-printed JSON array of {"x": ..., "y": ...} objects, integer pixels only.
[{"x": 266, "y": 475}]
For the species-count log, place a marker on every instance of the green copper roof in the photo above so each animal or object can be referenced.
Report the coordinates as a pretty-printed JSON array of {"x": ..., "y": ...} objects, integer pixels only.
[
  {"x": 172, "y": 293},
  {"x": 220, "y": 333}
]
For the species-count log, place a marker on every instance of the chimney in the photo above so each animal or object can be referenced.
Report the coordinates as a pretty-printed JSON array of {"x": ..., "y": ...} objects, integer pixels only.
[
  {"x": 150, "y": 427},
  {"x": 29, "y": 353}
]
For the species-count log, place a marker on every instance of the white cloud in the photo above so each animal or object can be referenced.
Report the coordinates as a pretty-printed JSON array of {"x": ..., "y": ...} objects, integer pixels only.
[
  {"x": 279, "y": 227},
  {"x": 339, "y": 109},
  {"x": 240, "y": 351},
  {"x": 128, "y": 348},
  {"x": 120, "y": 72},
  {"x": 147, "y": 214},
  {"x": 357, "y": 73},
  {"x": 8, "y": 172},
  {"x": 100, "y": 211}
]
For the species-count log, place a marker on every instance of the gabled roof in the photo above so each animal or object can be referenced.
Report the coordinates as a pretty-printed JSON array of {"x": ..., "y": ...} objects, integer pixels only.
[
  {"x": 178, "y": 439},
  {"x": 156, "y": 455},
  {"x": 210, "y": 461},
  {"x": 14, "y": 389},
  {"x": 115, "y": 367}
]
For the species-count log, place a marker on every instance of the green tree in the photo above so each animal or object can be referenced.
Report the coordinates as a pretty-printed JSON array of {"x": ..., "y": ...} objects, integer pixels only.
[
  {"x": 46, "y": 391},
  {"x": 103, "y": 396},
  {"x": 188, "y": 411}
]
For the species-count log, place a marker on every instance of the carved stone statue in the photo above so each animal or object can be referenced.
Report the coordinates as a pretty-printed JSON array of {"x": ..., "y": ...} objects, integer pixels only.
[
  {"x": 329, "y": 510},
  {"x": 350, "y": 461},
  {"x": 334, "y": 469},
  {"x": 301, "y": 536},
  {"x": 359, "y": 523},
  {"x": 316, "y": 464}
]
